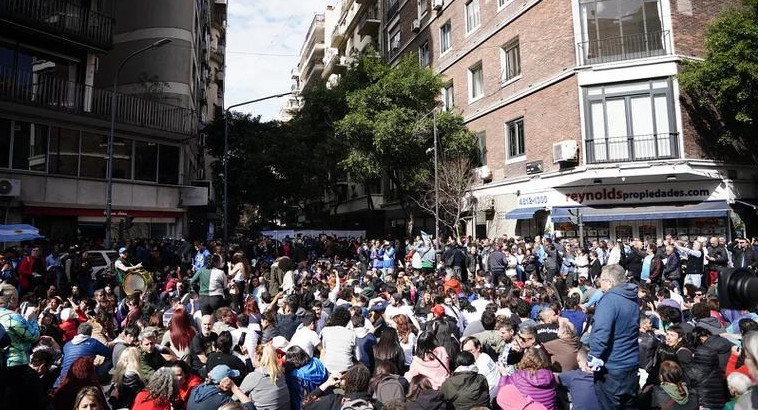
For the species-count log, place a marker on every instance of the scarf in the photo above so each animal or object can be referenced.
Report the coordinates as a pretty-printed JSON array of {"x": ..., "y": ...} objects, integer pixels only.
[{"x": 673, "y": 391}]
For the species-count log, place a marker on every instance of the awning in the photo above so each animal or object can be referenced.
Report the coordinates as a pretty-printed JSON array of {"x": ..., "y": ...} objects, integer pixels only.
[
  {"x": 18, "y": 233},
  {"x": 116, "y": 213},
  {"x": 523, "y": 213},
  {"x": 708, "y": 209}
]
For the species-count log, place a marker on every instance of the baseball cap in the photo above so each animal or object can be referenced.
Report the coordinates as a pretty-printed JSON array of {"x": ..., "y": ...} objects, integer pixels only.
[
  {"x": 279, "y": 342},
  {"x": 221, "y": 371},
  {"x": 438, "y": 310},
  {"x": 122, "y": 250}
]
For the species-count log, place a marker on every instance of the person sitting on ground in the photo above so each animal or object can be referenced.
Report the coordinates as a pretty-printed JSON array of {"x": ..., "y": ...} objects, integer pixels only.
[
  {"x": 223, "y": 355},
  {"x": 387, "y": 386},
  {"x": 185, "y": 382},
  {"x": 355, "y": 384},
  {"x": 82, "y": 345},
  {"x": 673, "y": 392},
  {"x": 127, "y": 380},
  {"x": 158, "y": 393},
  {"x": 466, "y": 388},
  {"x": 217, "y": 390},
  {"x": 430, "y": 360},
  {"x": 532, "y": 379},
  {"x": 266, "y": 385},
  {"x": 580, "y": 383},
  {"x": 303, "y": 373}
]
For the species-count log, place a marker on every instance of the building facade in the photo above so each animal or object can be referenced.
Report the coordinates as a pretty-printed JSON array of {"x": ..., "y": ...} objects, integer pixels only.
[
  {"x": 576, "y": 105},
  {"x": 58, "y": 61}
]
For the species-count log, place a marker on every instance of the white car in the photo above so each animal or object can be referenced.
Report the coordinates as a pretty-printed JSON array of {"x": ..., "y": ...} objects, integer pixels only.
[{"x": 101, "y": 260}]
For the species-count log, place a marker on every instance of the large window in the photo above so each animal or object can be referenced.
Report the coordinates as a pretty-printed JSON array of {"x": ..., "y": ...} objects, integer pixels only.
[
  {"x": 145, "y": 159},
  {"x": 445, "y": 38},
  {"x": 476, "y": 82},
  {"x": 64, "y": 151},
  {"x": 448, "y": 97},
  {"x": 168, "y": 164},
  {"x": 630, "y": 122},
  {"x": 122, "y": 158},
  {"x": 481, "y": 145},
  {"x": 423, "y": 55},
  {"x": 614, "y": 30},
  {"x": 5, "y": 142},
  {"x": 473, "y": 19},
  {"x": 29, "y": 146},
  {"x": 511, "y": 60},
  {"x": 515, "y": 138}
]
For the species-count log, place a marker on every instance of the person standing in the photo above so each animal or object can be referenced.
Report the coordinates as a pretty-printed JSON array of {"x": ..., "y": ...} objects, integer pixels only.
[
  {"x": 614, "y": 348},
  {"x": 200, "y": 259},
  {"x": 496, "y": 263},
  {"x": 212, "y": 282},
  {"x": 22, "y": 332}
]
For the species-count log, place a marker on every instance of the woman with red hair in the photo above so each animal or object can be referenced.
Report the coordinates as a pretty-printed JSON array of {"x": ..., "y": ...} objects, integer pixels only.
[
  {"x": 179, "y": 334},
  {"x": 81, "y": 374}
]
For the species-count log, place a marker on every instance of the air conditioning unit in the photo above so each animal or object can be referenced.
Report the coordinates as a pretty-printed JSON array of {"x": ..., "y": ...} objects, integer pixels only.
[
  {"x": 416, "y": 25},
  {"x": 484, "y": 173},
  {"x": 565, "y": 151},
  {"x": 437, "y": 4},
  {"x": 10, "y": 187}
]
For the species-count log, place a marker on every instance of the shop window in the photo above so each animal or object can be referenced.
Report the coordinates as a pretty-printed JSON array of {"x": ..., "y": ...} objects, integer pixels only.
[
  {"x": 624, "y": 233},
  {"x": 64, "y": 151},
  {"x": 94, "y": 159},
  {"x": 29, "y": 146},
  {"x": 145, "y": 158},
  {"x": 168, "y": 165}
]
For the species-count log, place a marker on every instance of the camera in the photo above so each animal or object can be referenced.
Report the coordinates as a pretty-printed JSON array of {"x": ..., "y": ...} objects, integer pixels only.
[{"x": 738, "y": 289}]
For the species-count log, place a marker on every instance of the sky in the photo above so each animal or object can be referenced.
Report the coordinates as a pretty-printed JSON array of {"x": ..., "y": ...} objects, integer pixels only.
[{"x": 263, "y": 42}]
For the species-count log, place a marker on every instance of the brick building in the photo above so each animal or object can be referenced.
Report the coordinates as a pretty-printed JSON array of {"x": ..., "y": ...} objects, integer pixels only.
[{"x": 576, "y": 104}]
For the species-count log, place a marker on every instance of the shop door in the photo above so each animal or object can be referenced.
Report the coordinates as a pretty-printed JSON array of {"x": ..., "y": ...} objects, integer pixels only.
[{"x": 647, "y": 231}]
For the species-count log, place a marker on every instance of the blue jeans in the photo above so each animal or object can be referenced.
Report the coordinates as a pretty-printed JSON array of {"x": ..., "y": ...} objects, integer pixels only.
[{"x": 617, "y": 389}]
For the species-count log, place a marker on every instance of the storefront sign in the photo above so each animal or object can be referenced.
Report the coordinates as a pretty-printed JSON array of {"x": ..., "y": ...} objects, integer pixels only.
[{"x": 628, "y": 194}]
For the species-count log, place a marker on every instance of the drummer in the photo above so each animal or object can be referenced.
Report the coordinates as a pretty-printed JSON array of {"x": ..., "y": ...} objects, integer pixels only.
[{"x": 122, "y": 267}]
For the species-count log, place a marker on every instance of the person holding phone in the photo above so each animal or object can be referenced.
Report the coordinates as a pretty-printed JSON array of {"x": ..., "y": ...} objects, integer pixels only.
[{"x": 23, "y": 331}]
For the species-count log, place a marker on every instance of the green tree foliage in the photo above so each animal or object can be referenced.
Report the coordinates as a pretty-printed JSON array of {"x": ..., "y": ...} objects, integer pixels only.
[
  {"x": 388, "y": 128},
  {"x": 723, "y": 88}
]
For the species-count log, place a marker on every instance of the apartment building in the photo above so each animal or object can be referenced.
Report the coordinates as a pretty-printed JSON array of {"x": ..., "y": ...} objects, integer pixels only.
[
  {"x": 58, "y": 60},
  {"x": 576, "y": 105}
]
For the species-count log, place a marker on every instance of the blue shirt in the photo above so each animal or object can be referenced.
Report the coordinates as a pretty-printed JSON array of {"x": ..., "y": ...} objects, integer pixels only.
[
  {"x": 646, "y": 267},
  {"x": 581, "y": 386},
  {"x": 200, "y": 258},
  {"x": 80, "y": 346}
]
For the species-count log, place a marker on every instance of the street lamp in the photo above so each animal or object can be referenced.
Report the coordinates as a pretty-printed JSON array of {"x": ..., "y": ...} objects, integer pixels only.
[
  {"x": 109, "y": 170},
  {"x": 225, "y": 160}
]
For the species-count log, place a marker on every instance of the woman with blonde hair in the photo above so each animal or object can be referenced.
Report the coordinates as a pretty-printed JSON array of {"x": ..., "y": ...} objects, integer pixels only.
[
  {"x": 266, "y": 385},
  {"x": 127, "y": 380}
]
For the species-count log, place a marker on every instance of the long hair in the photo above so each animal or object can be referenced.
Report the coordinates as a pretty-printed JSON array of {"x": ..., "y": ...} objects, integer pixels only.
[
  {"x": 671, "y": 372},
  {"x": 403, "y": 327},
  {"x": 534, "y": 359},
  {"x": 128, "y": 361},
  {"x": 425, "y": 345},
  {"x": 181, "y": 330},
  {"x": 162, "y": 386},
  {"x": 418, "y": 384},
  {"x": 269, "y": 361},
  {"x": 388, "y": 347},
  {"x": 92, "y": 393}
]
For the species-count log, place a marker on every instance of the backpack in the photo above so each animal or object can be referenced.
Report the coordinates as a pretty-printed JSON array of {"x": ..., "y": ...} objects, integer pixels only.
[{"x": 357, "y": 404}]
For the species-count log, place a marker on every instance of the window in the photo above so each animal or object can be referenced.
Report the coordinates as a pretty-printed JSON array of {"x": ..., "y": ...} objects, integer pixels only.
[
  {"x": 503, "y": 3},
  {"x": 423, "y": 55},
  {"x": 445, "y": 41},
  {"x": 145, "y": 158},
  {"x": 481, "y": 145},
  {"x": 448, "y": 101},
  {"x": 29, "y": 146},
  {"x": 395, "y": 40},
  {"x": 423, "y": 8},
  {"x": 511, "y": 60},
  {"x": 515, "y": 134},
  {"x": 64, "y": 151},
  {"x": 94, "y": 155},
  {"x": 168, "y": 165},
  {"x": 122, "y": 158},
  {"x": 476, "y": 82},
  {"x": 615, "y": 30},
  {"x": 630, "y": 122},
  {"x": 472, "y": 16}
]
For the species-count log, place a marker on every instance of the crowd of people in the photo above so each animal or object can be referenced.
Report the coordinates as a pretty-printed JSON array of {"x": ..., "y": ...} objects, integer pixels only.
[{"x": 328, "y": 323}]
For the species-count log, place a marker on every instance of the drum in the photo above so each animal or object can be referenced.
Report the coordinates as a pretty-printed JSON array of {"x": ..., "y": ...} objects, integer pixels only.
[{"x": 137, "y": 280}]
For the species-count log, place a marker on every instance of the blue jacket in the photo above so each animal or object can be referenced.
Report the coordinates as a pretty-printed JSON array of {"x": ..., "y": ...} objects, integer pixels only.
[
  {"x": 615, "y": 328},
  {"x": 80, "y": 346}
]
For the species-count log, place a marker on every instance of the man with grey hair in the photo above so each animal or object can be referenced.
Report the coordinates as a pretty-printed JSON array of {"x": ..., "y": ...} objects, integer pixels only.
[
  {"x": 614, "y": 349},
  {"x": 82, "y": 345}
]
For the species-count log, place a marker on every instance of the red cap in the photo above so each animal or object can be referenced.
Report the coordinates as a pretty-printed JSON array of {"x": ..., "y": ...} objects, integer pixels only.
[{"x": 438, "y": 310}]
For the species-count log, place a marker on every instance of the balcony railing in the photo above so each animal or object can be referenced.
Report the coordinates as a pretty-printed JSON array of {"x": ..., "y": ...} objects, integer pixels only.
[
  {"x": 622, "y": 48},
  {"x": 59, "y": 95},
  {"x": 633, "y": 148},
  {"x": 60, "y": 17},
  {"x": 369, "y": 22}
]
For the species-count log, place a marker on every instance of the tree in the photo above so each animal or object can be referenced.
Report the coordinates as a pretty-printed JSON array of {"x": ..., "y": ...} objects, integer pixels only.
[
  {"x": 723, "y": 88},
  {"x": 456, "y": 177},
  {"x": 388, "y": 128}
]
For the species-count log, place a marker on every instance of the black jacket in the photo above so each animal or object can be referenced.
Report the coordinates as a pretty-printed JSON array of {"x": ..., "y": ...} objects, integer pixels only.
[
  {"x": 744, "y": 258},
  {"x": 466, "y": 389},
  {"x": 634, "y": 263},
  {"x": 427, "y": 400},
  {"x": 706, "y": 375}
]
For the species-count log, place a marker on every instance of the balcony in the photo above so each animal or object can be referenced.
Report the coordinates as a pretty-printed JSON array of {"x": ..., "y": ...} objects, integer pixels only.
[
  {"x": 631, "y": 47},
  {"x": 55, "y": 94},
  {"x": 60, "y": 18},
  {"x": 338, "y": 36},
  {"x": 369, "y": 22},
  {"x": 632, "y": 148}
]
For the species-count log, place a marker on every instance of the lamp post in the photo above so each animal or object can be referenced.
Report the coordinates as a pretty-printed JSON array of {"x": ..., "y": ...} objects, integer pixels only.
[
  {"x": 109, "y": 169},
  {"x": 436, "y": 184},
  {"x": 225, "y": 160}
]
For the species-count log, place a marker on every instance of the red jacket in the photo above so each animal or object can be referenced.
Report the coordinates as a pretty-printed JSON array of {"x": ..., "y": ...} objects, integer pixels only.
[
  {"x": 141, "y": 402},
  {"x": 26, "y": 270}
]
